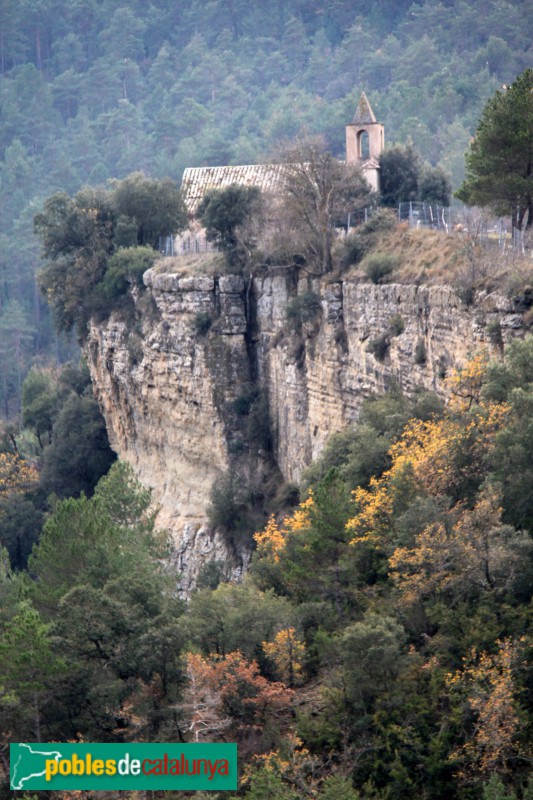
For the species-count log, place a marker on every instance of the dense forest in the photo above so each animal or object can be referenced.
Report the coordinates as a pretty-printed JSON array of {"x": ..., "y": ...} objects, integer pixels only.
[
  {"x": 403, "y": 668},
  {"x": 96, "y": 90}
]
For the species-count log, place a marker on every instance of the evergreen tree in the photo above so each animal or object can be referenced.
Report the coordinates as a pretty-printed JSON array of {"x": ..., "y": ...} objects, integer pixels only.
[
  {"x": 500, "y": 161},
  {"x": 224, "y": 214}
]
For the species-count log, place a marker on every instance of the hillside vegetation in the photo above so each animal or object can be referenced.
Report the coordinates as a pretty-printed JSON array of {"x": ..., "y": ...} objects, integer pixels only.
[{"x": 399, "y": 669}]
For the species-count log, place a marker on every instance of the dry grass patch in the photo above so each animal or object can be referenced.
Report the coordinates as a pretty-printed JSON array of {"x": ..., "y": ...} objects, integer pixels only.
[
  {"x": 192, "y": 264},
  {"x": 422, "y": 256},
  {"x": 458, "y": 259},
  {"x": 425, "y": 256}
]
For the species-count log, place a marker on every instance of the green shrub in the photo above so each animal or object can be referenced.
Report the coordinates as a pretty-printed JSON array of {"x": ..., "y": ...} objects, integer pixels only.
[
  {"x": 126, "y": 230},
  {"x": 354, "y": 249},
  {"x": 494, "y": 332},
  {"x": 379, "y": 266},
  {"x": 211, "y": 574},
  {"x": 466, "y": 293},
  {"x": 237, "y": 508},
  {"x": 396, "y": 325},
  {"x": 420, "y": 353},
  {"x": 379, "y": 346},
  {"x": 252, "y": 408},
  {"x": 258, "y": 430},
  {"x": 235, "y": 446},
  {"x": 287, "y": 496},
  {"x": 303, "y": 308},
  {"x": 383, "y": 220},
  {"x": 201, "y": 323},
  {"x": 243, "y": 404},
  {"x": 226, "y": 214},
  {"x": 125, "y": 269},
  {"x": 522, "y": 296},
  {"x": 226, "y": 507},
  {"x": 135, "y": 349}
]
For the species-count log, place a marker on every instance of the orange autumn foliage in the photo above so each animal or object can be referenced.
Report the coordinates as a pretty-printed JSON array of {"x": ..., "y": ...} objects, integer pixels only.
[{"x": 230, "y": 692}]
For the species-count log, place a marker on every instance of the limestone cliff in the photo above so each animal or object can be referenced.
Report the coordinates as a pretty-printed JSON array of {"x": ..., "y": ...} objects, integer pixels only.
[{"x": 173, "y": 386}]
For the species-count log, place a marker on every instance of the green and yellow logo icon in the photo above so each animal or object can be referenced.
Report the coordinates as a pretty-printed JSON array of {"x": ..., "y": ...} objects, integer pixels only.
[{"x": 86, "y": 766}]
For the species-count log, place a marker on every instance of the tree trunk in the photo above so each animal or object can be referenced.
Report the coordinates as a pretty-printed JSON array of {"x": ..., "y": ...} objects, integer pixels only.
[
  {"x": 337, "y": 590},
  {"x": 529, "y": 222},
  {"x": 37, "y": 720},
  {"x": 518, "y": 218}
]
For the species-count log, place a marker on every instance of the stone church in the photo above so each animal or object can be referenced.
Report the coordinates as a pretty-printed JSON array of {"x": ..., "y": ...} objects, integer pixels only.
[{"x": 365, "y": 140}]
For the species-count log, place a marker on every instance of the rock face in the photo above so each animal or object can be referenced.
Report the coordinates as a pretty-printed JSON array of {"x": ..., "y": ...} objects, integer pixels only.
[{"x": 176, "y": 387}]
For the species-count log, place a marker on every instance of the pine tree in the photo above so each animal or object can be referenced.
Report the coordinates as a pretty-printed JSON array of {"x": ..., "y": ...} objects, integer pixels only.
[{"x": 500, "y": 160}]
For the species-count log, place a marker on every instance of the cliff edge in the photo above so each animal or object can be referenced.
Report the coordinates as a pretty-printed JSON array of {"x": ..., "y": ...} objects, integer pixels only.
[{"x": 177, "y": 386}]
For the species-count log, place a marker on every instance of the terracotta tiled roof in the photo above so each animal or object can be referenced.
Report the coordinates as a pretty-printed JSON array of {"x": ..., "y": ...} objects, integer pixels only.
[{"x": 197, "y": 180}]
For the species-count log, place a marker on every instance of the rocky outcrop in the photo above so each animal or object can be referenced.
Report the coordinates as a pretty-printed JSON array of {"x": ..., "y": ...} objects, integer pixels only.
[
  {"x": 175, "y": 387},
  {"x": 164, "y": 387},
  {"x": 364, "y": 338}
]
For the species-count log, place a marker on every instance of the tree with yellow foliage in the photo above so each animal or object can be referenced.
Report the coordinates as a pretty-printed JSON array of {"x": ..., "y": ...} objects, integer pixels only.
[
  {"x": 471, "y": 552},
  {"x": 313, "y": 540},
  {"x": 440, "y": 457},
  {"x": 466, "y": 382},
  {"x": 16, "y": 475},
  {"x": 488, "y": 683},
  {"x": 272, "y": 541},
  {"x": 287, "y": 653},
  {"x": 287, "y": 773}
]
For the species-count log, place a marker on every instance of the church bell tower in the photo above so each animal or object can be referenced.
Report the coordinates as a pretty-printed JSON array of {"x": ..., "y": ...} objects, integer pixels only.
[{"x": 365, "y": 141}]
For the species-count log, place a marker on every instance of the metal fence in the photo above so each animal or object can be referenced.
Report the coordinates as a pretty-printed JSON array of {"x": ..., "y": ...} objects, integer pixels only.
[
  {"x": 426, "y": 215},
  {"x": 485, "y": 230},
  {"x": 195, "y": 244},
  {"x": 418, "y": 215},
  {"x": 184, "y": 245},
  {"x": 359, "y": 217}
]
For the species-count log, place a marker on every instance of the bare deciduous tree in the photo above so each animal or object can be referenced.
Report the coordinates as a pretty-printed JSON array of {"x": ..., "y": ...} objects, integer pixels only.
[{"x": 317, "y": 194}]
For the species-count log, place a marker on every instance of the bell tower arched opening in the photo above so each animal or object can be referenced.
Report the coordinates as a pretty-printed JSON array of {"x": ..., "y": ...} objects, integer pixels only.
[{"x": 363, "y": 145}]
